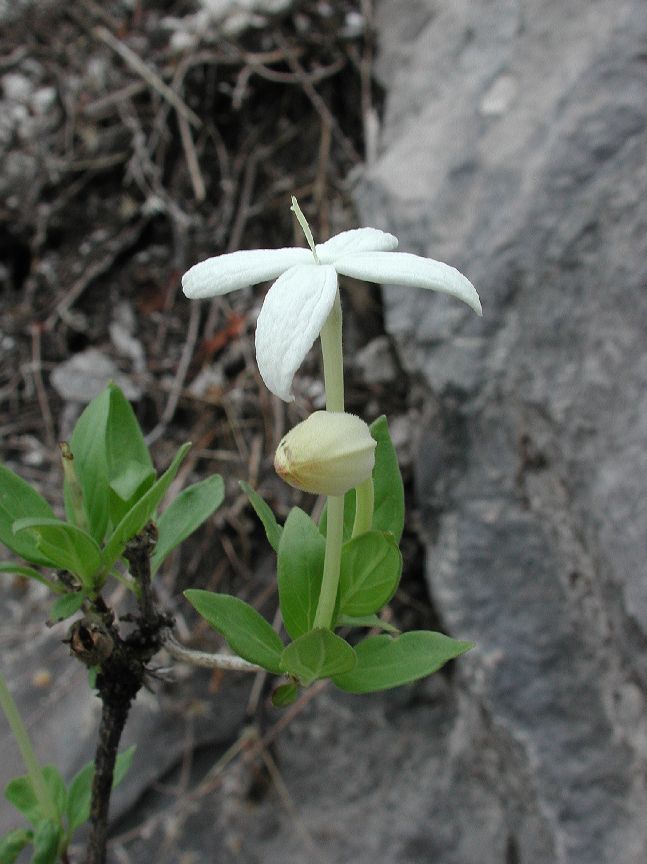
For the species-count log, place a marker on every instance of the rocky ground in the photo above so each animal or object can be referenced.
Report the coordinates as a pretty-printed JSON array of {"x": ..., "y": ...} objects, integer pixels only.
[{"x": 507, "y": 139}]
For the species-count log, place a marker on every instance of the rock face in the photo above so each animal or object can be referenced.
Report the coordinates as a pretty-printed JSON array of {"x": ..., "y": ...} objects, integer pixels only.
[{"x": 514, "y": 148}]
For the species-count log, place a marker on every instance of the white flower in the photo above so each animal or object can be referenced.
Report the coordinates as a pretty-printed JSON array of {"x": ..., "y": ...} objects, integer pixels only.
[{"x": 300, "y": 300}]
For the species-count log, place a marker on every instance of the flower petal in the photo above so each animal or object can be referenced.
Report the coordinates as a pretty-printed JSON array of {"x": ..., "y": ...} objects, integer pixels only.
[
  {"x": 294, "y": 311},
  {"x": 402, "y": 268},
  {"x": 357, "y": 240},
  {"x": 234, "y": 270}
]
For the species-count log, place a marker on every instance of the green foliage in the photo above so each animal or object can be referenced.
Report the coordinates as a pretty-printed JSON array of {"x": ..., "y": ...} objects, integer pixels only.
[
  {"x": 246, "y": 631},
  {"x": 370, "y": 570},
  {"x": 79, "y": 794},
  {"x": 12, "y": 844},
  {"x": 186, "y": 513},
  {"x": 318, "y": 654},
  {"x": 299, "y": 569},
  {"x": 17, "y": 501},
  {"x": 66, "y": 606},
  {"x": 264, "y": 512},
  {"x": 47, "y": 838},
  {"x": 284, "y": 695},
  {"x": 66, "y": 546},
  {"x": 371, "y": 565},
  {"x": 111, "y": 461},
  {"x": 384, "y": 662},
  {"x": 388, "y": 511},
  {"x": 72, "y": 805},
  {"x": 111, "y": 493}
]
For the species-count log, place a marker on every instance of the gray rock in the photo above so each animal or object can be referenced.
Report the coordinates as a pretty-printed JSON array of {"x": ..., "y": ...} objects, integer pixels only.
[{"x": 513, "y": 148}]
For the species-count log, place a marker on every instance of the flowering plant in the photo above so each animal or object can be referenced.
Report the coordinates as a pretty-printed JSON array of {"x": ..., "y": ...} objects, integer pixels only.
[{"x": 339, "y": 574}]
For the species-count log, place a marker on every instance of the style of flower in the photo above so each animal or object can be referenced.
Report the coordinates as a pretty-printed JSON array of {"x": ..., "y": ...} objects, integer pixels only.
[{"x": 298, "y": 303}]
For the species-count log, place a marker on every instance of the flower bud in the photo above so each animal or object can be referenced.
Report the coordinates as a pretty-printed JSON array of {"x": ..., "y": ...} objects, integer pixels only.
[{"x": 327, "y": 454}]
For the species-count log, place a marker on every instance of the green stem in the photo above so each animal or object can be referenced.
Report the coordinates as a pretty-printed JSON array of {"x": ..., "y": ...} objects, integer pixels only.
[
  {"x": 333, "y": 363},
  {"x": 332, "y": 562},
  {"x": 32, "y": 765},
  {"x": 364, "y": 503}
]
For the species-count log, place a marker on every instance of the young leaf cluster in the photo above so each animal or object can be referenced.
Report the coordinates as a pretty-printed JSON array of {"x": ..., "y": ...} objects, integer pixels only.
[
  {"x": 111, "y": 491},
  {"x": 51, "y": 836},
  {"x": 371, "y": 567}
]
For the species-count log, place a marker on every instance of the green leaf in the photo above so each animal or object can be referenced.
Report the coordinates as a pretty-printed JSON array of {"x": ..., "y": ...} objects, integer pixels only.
[
  {"x": 111, "y": 461},
  {"x": 186, "y": 513},
  {"x": 87, "y": 445},
  {"x": 285, "y": 695},
  {"x": 79, "y": 795},
  {"x": 122, "y": 765},
  {"x": 141, "y": 512},
  {"x": 56, "y": 785},
  {"x": 388, "y": 512},
  {"x": 371, "y": 565},
  {"x": 46, "y": 840},
  {"x": 317, "y": 654},
  {"x": 129, "y": 462},
  {"x": 264, "y": 512},
  {"x": 246, "y": 631},
  {"x": 383, "y": 662},
  {"x": 66, "y": 606},
  {"x": 12, "y": 844},
  {"x": 17, "y": 501},
  {"x": 366, "y": 621},
  {"x": 30, "y": 573},
  {"x": 67, "y": 546},
  {"x": 20, "y": 792},
  {"x": 300, "y": 570}
]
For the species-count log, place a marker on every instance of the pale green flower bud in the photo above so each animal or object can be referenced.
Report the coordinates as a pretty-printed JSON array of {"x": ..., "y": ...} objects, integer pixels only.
[{"x": 327, "y": 454}]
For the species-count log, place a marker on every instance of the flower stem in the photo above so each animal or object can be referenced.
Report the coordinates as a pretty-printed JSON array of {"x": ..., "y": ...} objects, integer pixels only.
[
  {"x": 333, "y": 363},
  {"x": 32, "y": 765},
  {"x": 364, "y": 503}
]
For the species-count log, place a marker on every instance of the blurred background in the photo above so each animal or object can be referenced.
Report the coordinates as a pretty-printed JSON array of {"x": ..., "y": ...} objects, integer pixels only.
[{"x": 506, "y": 138}]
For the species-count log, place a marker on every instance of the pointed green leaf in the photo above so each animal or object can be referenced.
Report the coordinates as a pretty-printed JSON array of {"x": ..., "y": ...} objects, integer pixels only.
[
  {"x": 12, "y": 844},
  {"x": 246, "y": 631},
  {"x": 371, "y": 565},
  {"x": 300, "y": 570},
  {"x": 79, "y": 795},
  {"x": 141, "y": 512},
  {"x": 46, "y": 840},
  {"x": 127, "y": 456},
  {"x": 66, "y": 605},
  {"x": 371, "y": 621},
  {"x": 383, "y": 662},
  {"x": 67, "y": 546},
  {"x": 186, "y": 513},
  {"x": 388, "y": 513},
  {"x": 87, "y": 445},
  {"x": 264, "y": 512},
  {"x": 317, "y": 654},
  {"x": 56, "y": 785},
  {"x": 30, "y": 573},
  {"x": 17, "y": 501}
]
